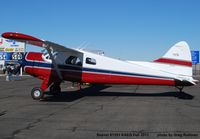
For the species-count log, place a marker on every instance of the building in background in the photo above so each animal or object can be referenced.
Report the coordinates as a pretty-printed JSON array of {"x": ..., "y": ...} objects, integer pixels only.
[{"x": 10, "y": 51}]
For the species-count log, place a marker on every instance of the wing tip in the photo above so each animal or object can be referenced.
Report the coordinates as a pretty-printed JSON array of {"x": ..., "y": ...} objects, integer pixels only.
[{"x": 20, "y": 36}]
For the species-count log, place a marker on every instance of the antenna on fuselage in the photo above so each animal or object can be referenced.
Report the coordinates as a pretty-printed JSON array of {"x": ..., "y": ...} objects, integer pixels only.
[{"x": 83, "y": 45}]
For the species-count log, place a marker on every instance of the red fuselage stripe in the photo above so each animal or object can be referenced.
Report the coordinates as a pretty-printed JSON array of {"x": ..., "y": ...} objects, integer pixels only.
[{"x": 116, "y": 79}]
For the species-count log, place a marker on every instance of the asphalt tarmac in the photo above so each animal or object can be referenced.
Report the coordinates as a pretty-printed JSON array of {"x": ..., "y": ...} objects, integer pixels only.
[{"x": 99, "y": 111}]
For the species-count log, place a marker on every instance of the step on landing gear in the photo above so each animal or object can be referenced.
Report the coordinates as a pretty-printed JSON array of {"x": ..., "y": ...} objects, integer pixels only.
[{"x": 37, "y": 93}]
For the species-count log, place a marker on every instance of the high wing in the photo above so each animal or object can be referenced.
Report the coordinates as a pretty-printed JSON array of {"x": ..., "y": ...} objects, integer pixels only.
[
  {"x": 51, "y": 47},
  {"x": 35, "y": 41}
]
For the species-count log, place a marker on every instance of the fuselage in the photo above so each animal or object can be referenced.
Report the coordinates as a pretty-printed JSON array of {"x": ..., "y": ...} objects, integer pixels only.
[{"x": 102, "y": 70}]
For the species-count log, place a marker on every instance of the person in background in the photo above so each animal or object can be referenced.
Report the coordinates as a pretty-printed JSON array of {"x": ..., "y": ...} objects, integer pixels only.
[
  {"x": 9, "y": 73},
  {"x": 17, "y": 71}
]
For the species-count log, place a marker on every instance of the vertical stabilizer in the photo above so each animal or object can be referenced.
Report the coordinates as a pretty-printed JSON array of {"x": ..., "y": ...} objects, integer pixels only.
[{"x": 178, "y": 56}]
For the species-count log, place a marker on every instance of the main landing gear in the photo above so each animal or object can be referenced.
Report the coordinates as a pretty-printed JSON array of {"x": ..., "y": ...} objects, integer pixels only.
[{"x": 37, "y": 93}]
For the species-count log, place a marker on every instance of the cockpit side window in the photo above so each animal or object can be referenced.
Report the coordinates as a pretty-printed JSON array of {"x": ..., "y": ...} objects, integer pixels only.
[{"x": 91, "y": 61}]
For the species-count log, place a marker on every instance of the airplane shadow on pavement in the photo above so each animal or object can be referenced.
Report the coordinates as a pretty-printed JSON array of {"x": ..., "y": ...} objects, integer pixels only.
[{"x": 69, "y": 96}]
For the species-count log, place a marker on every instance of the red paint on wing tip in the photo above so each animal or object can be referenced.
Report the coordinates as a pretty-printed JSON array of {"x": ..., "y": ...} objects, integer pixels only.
[
  {"x": 20, "y": 36},
  {"x": 6, "y": 35}
]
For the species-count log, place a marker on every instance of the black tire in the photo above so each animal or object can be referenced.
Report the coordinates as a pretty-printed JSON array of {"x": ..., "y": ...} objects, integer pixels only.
[
  {"x": 55, "y": 90},
  {"x": 37, "y": 93}
]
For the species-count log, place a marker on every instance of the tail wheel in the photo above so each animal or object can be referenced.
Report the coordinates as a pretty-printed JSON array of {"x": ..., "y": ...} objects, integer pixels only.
[
  {"x": 37, "y": 93},
  {"x": 55, "y": 89},
  {"x": 180, "y": 88}
]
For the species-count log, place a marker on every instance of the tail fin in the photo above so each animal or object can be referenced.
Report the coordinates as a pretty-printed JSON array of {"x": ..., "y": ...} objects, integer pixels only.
[{"x": 179, "y": 56}]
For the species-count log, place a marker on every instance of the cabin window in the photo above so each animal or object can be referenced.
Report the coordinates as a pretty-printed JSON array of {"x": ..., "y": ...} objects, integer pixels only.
[
  {"x": 73, "y": 60},
  {"x": 91, "y": 61}
]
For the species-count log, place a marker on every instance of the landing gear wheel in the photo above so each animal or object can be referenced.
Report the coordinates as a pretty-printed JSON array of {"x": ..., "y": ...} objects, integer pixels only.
[
  {"x": 55, "y": 90},
  {"x": 37, "y": 93}
]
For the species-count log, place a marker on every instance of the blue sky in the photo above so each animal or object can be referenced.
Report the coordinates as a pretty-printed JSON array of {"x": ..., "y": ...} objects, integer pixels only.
[{"x": 127, "y": 29}]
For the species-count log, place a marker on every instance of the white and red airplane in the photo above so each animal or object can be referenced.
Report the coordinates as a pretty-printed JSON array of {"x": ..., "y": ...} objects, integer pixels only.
[{"x": 60, "y": 64}]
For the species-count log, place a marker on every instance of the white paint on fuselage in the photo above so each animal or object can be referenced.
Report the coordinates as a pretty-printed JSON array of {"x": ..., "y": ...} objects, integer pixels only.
[
  {"x": 111, "y": 64},
  {"x": 135, "y": 67}
]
